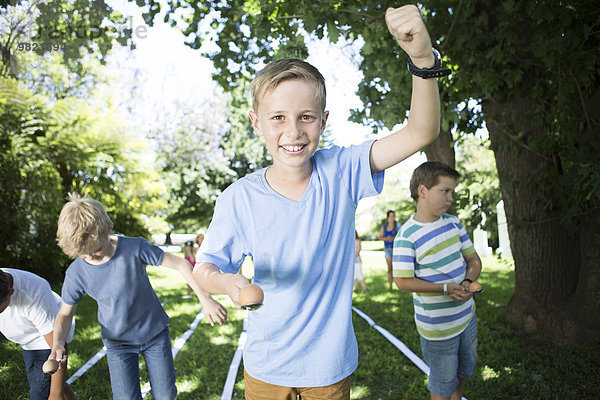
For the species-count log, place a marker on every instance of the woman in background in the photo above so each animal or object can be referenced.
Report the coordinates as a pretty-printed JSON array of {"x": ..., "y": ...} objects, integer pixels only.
[{"x": 388, "y": 232}]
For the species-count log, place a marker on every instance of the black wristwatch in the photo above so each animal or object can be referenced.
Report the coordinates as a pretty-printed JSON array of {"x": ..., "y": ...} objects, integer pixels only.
[
  {"x": 434, "y": 72},
  {"x": 466, "y": 279}
]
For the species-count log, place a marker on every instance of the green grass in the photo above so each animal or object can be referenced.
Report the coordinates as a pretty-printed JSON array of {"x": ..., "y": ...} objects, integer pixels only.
[
  {"x": 507, "y": 368},
  {"x": 376, "y": 245}
]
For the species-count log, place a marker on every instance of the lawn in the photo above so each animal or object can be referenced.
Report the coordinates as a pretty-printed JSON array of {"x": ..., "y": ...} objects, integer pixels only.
[{"x": 507, "y": 368}]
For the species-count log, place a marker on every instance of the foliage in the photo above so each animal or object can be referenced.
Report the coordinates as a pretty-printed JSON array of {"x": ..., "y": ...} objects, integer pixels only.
[
  {"x": 49, "y": 149},
  {"x": 528, "y": 69},
  {"x": 265, "y": 30},
  {"x": 69, "y": 28},
  {"x": 210, "y": 145},
  {"x": 537, "y": 80},
  {"x": 54, "y": 142},
  {"x": 505, "y": 367},
  {"x": 526, "y": 59},
  {"x": 478, "y": 189},
  {"x": 30, "y": 194}
]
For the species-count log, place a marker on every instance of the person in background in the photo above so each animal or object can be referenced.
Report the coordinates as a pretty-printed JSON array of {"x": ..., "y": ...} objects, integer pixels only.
[
  {"x": 387, "y": 233},
  {"x": 188, "y": 253},
  {"x": 28, "y": 308},
  {"x": 358, "y": 272}
]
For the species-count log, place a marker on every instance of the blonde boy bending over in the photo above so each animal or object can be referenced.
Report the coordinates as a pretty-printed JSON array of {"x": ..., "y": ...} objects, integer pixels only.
[
  {"x": 296, "y": 219},
  {"x": 112, "y": 271}
]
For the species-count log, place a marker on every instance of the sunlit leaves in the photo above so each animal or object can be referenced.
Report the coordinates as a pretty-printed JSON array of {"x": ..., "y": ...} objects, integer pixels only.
[{"x": 69, "y": 28}]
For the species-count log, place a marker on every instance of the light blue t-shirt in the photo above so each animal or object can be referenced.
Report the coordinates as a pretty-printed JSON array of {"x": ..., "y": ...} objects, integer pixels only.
[
  {"x": 303, "y": 255},
  {"x": 128, "y": 309}
]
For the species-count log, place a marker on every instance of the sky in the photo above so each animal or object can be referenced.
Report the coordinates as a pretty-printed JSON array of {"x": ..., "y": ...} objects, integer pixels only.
[{"x": 175, "y": 71}]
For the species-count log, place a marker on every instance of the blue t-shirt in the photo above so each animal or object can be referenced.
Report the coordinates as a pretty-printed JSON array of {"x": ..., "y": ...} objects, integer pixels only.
[
  {"x": 303, "y": 253},
  {"x": 128, "y": 309},
  {"x": 389, "y": 235}
]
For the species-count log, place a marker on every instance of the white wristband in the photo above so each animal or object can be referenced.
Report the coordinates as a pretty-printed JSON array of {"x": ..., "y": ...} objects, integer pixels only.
[{"x": 445, "y": 288}]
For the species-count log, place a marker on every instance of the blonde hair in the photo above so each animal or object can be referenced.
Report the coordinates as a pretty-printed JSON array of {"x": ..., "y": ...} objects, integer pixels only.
[
  {"x": 82, "y": 226},
  {"x": 283, "y": 70}
]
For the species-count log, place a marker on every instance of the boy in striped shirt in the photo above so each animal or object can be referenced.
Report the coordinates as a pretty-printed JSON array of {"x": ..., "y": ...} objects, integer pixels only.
[{"x": 434, "y": 258}]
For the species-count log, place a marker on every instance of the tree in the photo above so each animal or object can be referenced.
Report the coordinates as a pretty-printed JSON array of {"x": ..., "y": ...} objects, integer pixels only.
[
  {"x": 478, "y": 191},
  {"x": 52, "y": 148},
  {"x": 531, "y": 66},
  {"x": 52, "y": 142},
  {"x": 30, "y": 194},
  {"x": 208, "y": 145},
  {"x": 69, "y": 28},
  {"x": 542, "y": 114}
]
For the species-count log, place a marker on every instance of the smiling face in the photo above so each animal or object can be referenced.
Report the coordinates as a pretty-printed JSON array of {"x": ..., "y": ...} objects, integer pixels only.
[
  {"x": 434, "y": 202},
  {"x": 291, "y": 122}
]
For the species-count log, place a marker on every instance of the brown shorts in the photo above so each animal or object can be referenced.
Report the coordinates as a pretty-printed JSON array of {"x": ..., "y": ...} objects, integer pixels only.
[{"x": 258, "y": 390}]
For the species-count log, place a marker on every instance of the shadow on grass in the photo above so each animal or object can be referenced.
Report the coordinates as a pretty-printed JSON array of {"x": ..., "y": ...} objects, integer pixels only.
[{"x": 506, "y": 368}]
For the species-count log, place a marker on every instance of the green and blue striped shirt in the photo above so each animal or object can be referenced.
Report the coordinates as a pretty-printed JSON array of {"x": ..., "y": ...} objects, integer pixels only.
[{"x": 435, "y": 253}]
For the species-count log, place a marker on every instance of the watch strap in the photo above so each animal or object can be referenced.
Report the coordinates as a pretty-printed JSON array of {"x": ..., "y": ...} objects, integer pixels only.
[{"x": 434, "y": 72}]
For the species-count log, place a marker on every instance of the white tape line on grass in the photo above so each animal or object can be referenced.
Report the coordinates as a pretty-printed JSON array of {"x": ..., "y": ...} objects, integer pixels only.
[
  {"x": 102, "y": 352},
  {"x": 396, "y": 342},
  {"x": 179, "y": 342},
  {"x": 401, "y": 346},
  {"x": 89, "y": 364},
  {"x": 235, "y": 364}
]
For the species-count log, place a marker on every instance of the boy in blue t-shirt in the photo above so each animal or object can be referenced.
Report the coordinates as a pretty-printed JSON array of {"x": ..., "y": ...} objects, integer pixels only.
[
  {"x": 434, "y": 258},
  {"x": 112, "y": 271},
  {"x": 296, "y": 220}
]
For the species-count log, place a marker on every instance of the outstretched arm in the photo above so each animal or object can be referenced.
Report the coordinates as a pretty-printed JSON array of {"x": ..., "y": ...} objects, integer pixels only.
[
  {"x": 59, "y": 388},
  {"x": 407, "y": 26},
  {"x": 62, "y": 325},
  {"x": 213, "y": 309},
  {"x": 211, "y": 279}
]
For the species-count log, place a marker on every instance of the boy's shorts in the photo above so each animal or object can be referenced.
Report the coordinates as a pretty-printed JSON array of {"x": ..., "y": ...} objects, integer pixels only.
[
  {"x": 448, "y": 359},
  {"x": 259, "y": 390}
]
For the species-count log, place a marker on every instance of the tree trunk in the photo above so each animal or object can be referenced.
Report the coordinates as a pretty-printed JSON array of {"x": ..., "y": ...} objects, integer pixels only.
[
  {"x": 442, "y": 149},
  {"x": 552, "y": 262},
  {"x": 587, "y": 296}
]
